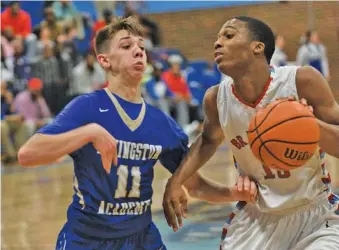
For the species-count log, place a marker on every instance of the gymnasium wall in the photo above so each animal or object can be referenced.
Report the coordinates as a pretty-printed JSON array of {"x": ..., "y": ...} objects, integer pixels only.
[{"x": 194, "y": 32}]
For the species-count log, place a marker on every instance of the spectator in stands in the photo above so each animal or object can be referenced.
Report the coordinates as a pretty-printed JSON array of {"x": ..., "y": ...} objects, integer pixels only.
[
  {"x": 15, "y": 22},
  {"x": 67, "y": 46},
  {"x": 108, "y": 17},
  {"x": 156, "y": 91},
  {"x": 313, "y": 53},
  {"x": 44, "y": 39},
  {"x": 51, "y": 23},
  {"x": 47, "y": 69},
  {"x": 32, "y": 106},
  {"x": 151, "y": 27},
  {"x": 7, "y": 67},
  {"x": 178, "y": 86},
  {"x": 22, "y": 67},
  {"x": 279, "y": 57},
  {"x": 13, "y": 129},
  {"x": 66, "y": 13},
  {"x": 7, "y": 47},
  {"x": 88, "y": 76}
]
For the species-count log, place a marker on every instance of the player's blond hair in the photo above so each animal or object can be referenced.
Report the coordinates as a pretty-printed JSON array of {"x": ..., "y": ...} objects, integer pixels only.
[{"x": 104, "y": 35}]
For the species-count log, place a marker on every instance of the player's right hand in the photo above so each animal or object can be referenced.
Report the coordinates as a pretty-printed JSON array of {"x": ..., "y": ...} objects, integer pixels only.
[
  {"x": 174, "y": 204},
  {"x": 106, "y": 144},
  {"x": 245, "y": 190}
]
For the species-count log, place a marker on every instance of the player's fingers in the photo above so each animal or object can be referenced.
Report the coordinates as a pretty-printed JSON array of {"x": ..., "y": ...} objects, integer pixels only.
[
  {"x": 247, "y": 184},
  {"x": 310, "y": 108},
  {"x": 240, "y": 183},
  {"x": 184, "y": 207},
  {"x": 303, "y": 101},
  {"x": 168, "y": 211},
  {"x": 114, "y": 155},
  {"x": 104, "y": 161},
  {"x": 253, "y": 191},
  {"x": 177, "y": 211}
]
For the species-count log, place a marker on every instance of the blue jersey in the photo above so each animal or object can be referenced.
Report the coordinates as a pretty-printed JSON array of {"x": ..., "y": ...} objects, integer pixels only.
[{"x": 118, "y": 204}]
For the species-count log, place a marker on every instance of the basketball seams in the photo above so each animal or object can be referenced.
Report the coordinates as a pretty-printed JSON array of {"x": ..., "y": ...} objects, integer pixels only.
[
  {"x": 282, "y": 122},
  {"x": 269, "y": 112}
]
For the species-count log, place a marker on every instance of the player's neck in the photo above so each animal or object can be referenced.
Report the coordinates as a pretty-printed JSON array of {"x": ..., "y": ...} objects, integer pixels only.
[
  {"x": 126, "y": 89},
  {"x": 251, "y": 84}
]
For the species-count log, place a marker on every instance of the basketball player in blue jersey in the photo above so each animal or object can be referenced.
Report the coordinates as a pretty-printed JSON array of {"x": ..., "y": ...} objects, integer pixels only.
[
  {"x": 296, "y": 209},
  {"x": 115, "y": 139}
]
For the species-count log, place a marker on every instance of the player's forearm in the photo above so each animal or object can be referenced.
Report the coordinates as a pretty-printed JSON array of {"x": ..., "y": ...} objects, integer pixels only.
[
  {"x": 44, "y": 149},
  {"x": 200, "y": 152},
  {"x": 329, "y": 138},
  {"x": 211, "y": 191}
]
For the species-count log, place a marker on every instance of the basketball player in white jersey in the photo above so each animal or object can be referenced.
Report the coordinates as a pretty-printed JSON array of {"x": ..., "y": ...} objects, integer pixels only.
[{"x": 296, "y": 209}]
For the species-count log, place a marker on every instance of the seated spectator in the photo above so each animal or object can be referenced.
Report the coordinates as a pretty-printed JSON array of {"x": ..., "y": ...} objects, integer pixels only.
[
  {"x": 32, "y": 106},
  {"x": 13, "y": 129},
  {"x": 7, "y": 67},
  {"x": 51, "y": 23},
  {"x": 15, "y": 22},
  {"x": 22, "y": 67},
  {"x": 178, "y": 86},
  {"x": 108, "y": 17},
  {"x": 44, "y": 39},
  {"x": 279, "y": 57},
  {"x": 156, "y": 91},
  {"x": 88, "y": 76},
  {"x": 313, "y": 53}
]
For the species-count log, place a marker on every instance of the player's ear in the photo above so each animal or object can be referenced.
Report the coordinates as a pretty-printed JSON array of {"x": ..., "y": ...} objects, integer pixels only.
[
  {"x": 104, "y": 61},
  {"x": 258, "y": 48}
]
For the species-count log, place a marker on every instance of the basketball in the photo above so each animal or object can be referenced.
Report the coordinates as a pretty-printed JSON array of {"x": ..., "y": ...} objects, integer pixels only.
[{"x": 284, "y": 135}]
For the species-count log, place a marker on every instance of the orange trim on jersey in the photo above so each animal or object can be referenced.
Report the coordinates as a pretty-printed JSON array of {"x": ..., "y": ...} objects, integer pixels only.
[{"x": 259, "y": 99}]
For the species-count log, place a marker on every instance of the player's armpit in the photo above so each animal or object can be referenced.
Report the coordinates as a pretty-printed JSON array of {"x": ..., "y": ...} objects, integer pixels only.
[{"x": 313, "y": 87}]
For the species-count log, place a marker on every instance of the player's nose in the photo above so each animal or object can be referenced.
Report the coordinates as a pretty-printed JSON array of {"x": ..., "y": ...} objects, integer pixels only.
[
  {"x": 138, "y": 52},
  {"x": 217, "y": 44}
]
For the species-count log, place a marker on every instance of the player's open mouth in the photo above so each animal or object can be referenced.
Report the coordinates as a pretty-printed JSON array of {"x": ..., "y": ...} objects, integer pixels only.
[{"x": 217, "y": 57}]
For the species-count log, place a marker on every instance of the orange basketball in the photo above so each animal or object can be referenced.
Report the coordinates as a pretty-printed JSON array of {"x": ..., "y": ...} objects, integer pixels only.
[{"x": 284, "y": 135}]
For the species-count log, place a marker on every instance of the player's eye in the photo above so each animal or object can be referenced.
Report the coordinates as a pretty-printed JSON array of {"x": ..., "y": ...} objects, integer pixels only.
[
  {"x": 142, "y": 48},
  {"x": 127, "y": 46},
  {"x": 229, "y": 36}
]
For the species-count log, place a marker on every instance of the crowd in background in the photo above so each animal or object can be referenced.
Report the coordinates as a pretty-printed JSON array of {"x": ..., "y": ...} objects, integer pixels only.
[{"x": 46, "y": 66}]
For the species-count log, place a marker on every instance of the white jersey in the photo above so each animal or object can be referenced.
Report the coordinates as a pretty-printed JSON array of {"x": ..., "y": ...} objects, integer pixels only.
[{"x": 278, "y": 190}]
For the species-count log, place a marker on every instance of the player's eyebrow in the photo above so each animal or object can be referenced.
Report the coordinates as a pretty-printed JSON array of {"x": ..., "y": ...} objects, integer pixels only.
[{"x": 128, "y": 37}]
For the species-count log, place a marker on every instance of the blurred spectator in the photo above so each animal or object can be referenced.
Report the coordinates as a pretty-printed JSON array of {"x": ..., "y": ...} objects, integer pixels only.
[
  {"x": 178, "y": 86},
  {"x": 314, "y": 53},
  {"x": 13, "y": 129},
  {"x": 151, "y": 28},
  {"x": 22, "y": 68},
  {"x": 67, "y": 46},
  {"x": 7, "y": 67},
  {"x": 51, "y": 23},
  {"x": 7, "y": 47},
  {"x": 66, "y": 12},
  {"x": 47, "y": 69},
  {"x": 88, "y": 76},
  {"x": 44, "y": 39},
  {"x": 279, "y": 57},
  {"x": 156, "y": 91},
  {"x": 32, "y": 106},
  {"x": 15, "y": 22},
  {"x": 108, "y": 17}
]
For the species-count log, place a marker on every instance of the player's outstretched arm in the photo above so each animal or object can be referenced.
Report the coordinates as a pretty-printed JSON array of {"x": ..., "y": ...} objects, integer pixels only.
[
  {"x": 313, "y": 87},
  {"x": 200, "y": 152},
  {"x": 202, "y": 188},
  {"x": 44, "y": 149}
]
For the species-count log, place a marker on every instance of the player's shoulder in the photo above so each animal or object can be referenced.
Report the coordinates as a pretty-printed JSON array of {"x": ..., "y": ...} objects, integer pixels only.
[
  {"x": 85, "y": 101},
  {"x": 307, "y": 74}
]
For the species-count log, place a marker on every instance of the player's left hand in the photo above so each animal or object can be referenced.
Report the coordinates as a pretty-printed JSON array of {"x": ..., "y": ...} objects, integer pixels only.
[
  {"x": 174, "y": 204},
  {"x": 302, "y": 101}
]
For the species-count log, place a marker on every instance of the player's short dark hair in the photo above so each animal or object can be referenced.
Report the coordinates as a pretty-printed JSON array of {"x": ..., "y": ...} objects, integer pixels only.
[
  {"x": 261, "y": 32},
  {"x": 104, "y": 35}
]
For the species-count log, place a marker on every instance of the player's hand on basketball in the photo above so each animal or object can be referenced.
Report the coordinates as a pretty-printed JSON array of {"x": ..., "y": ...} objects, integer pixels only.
[
  {"x": 105, "y": 144},
  {"x": 293, "y": 98},
  {"x": 174, "y": 204},
  {"x": 245, "y": 190}
]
